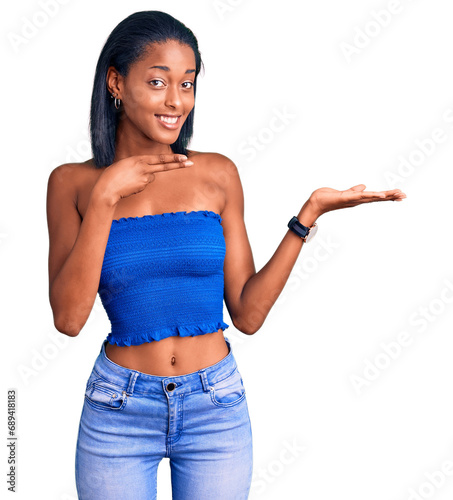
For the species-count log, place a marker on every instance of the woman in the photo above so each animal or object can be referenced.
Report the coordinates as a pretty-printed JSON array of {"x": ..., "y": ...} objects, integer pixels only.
[{"x": 158, "y": 231}]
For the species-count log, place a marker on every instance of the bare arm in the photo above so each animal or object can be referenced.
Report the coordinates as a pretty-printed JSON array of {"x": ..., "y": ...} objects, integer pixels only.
[
  {"x": 250, "y": 295},
  {"x": 76, "y": 250},
  {"x": 262, "y": 290}
]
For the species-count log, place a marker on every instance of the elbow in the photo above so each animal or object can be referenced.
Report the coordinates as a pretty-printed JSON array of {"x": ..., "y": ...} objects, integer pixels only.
[
  {"x": 66, "y": 319},
  {"x": 67, "y": 326},
  {"x": 247, "y": 326}
]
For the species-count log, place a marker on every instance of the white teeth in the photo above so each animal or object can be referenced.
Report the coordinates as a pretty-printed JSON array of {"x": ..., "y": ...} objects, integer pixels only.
[{"x": 167, "y": 119}]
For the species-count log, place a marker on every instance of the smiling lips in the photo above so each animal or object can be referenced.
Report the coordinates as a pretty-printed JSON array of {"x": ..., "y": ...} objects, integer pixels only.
[{"x": 169, "y": 121}]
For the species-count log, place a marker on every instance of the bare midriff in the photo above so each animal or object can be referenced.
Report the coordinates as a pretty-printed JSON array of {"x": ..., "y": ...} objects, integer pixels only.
[{"x": 171, "y": 356}]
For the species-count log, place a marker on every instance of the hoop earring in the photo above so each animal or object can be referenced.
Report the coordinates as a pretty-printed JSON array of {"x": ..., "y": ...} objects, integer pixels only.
[{"x": 117, "y": 104}]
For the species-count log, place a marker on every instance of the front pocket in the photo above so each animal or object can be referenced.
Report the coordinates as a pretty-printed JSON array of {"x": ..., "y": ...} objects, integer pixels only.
[
  {"x": 102, "y": 395},
  {"x": 228, "y": 392}
]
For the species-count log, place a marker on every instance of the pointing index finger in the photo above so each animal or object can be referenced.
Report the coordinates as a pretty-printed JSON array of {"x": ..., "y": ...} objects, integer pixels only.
[{"x": 162, "y": 158}]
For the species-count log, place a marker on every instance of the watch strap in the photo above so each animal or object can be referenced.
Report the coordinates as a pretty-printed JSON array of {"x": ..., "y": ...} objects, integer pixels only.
[{"x": 298, "y": 228}]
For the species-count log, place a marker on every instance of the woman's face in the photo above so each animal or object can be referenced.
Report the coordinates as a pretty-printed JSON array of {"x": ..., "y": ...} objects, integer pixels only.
[{"x": 157, "y": 95}]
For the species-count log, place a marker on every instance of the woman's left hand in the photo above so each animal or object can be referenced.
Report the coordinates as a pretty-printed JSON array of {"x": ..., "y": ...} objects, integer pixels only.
[{"x": 326, "y": 199}]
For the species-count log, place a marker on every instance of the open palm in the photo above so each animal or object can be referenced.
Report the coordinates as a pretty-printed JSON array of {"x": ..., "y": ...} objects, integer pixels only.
[{"x": 328, "y": 199}]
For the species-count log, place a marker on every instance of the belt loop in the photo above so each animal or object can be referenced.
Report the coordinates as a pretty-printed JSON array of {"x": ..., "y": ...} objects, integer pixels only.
[
  {"x": 204, "y": 381},
  {"x": 130, "y": 387}
]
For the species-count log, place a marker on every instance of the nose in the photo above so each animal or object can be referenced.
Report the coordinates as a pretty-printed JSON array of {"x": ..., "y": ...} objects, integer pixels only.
[{"x": 172, "y": 97}]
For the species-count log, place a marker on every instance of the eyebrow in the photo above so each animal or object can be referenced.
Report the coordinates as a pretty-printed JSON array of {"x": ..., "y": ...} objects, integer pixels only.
[{"x": 166, "y": 68}]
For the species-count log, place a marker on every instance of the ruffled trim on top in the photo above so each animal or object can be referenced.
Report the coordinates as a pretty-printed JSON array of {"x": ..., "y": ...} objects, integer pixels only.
[
  {"x": 163, "y": 333},
  {"x": 207, "y": 213}
]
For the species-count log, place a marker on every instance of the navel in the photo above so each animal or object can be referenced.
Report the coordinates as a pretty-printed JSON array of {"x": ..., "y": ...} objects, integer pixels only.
[{"x": 173, "y": 360}]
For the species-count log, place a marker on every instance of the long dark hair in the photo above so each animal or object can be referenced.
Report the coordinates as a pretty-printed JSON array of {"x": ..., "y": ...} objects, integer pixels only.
[{"x": 126, "y": 44}]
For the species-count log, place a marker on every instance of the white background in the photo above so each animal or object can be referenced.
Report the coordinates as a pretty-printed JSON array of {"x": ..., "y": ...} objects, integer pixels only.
[{"x": 361, "y": 285}]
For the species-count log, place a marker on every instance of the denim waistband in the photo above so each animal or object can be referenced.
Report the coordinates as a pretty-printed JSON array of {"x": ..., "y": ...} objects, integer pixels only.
[{"x": 135, "y": 381}]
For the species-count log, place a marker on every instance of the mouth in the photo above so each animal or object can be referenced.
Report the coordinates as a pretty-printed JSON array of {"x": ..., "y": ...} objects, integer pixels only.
[{"x": 169, "y": 121}]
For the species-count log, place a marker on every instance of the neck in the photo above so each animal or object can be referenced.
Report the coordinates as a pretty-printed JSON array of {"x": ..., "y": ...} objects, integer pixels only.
[{"x": 129, "y": 142}]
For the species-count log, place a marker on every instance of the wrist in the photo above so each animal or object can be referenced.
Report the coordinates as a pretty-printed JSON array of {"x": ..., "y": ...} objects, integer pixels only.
[
  {"x": 308, "y": 214},
  {"x": 102, "y": 195}
]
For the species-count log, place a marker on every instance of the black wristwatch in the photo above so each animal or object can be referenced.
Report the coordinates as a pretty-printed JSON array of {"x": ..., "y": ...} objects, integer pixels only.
[{"x": 306, "y": 233}]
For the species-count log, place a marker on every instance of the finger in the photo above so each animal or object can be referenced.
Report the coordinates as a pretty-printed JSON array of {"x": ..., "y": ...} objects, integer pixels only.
[
  {"x": 161, "y": 167},
  {"x": 364, "y": 195},
  {"x": 161, "y": 158},
  {"x": 392, "y": 191},
  {"x": 387, "y": 194},
  {"x": 371, "y": 197},
  {"x": 379, "y": 194},
  {"x": 358, "y": 187},
  {"x": 392, "y": 195},
  {"x": 384, "y": 194}
]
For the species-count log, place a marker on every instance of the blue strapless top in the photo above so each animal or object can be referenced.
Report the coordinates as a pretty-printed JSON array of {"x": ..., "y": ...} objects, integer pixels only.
[{"x": 162, "y": 276}]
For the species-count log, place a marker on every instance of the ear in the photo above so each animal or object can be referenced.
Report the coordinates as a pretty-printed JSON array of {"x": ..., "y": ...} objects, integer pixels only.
[{"x": 113, "y": 81}]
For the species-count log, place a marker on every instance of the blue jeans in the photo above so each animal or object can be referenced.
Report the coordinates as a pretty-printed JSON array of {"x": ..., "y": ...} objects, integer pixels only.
[{"x": 131, "y": 420}]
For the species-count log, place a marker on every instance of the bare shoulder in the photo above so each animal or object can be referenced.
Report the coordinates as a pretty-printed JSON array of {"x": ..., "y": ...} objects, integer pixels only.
[
  {"x": 208, "y": 156},
  {"x": 69, "y": 174},
  {"x": 223, "y": 172},
  {"x": 218, "y": 165},
  {"x": 68, "y": 182},
  {"x": 73, "y": 178}
]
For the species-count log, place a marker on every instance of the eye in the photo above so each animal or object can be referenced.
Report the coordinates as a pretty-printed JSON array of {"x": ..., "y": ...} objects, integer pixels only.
[
  {"x": 190, "y": 85},
  {"x": 155, "y": 82}
]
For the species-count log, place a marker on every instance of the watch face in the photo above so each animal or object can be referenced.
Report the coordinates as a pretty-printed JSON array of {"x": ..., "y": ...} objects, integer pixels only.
[{"x": 312, "y": 233}]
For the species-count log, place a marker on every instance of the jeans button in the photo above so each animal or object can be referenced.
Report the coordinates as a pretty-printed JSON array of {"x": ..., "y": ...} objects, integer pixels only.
[{"x": 171, "y": 386}]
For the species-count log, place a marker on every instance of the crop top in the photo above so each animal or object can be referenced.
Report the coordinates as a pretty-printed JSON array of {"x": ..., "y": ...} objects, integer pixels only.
[{"x": 162, "y": 276}]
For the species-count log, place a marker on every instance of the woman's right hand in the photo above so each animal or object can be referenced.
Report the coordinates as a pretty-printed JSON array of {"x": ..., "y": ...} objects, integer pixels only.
[{"x": 131, "y": 175}]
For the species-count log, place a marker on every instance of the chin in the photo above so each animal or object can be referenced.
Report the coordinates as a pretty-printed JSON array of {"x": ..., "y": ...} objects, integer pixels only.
[{"x": 166, "y": 139}]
